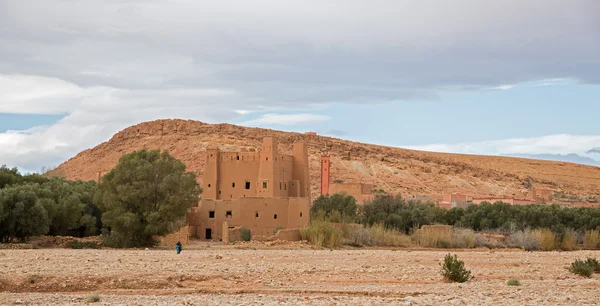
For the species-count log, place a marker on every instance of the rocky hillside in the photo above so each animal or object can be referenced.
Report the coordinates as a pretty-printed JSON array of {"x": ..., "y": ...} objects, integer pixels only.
[{"x": 390, "y": 169}]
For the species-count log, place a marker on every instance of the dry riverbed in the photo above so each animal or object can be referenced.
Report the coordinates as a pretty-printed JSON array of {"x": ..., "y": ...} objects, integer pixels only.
[{"x": 220, "y": 276}]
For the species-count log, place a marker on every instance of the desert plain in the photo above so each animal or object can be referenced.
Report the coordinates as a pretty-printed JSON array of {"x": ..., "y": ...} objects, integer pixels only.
[{"x": 291, "y": 274}]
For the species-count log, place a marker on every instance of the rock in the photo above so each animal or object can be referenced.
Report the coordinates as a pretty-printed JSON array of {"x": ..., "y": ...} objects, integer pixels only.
[{"x": 219, "y": 256}]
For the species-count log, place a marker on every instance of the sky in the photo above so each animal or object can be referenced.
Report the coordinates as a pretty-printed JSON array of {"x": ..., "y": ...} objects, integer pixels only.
[{"x": 510, "y": 78}]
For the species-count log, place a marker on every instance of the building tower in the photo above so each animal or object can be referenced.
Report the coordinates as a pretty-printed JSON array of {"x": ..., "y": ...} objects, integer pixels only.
[{"x": 325, "y": 171}]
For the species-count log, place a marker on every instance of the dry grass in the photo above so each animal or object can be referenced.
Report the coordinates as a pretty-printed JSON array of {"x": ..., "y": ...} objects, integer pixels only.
[
  {"x": 432, "y": 237},
  {"x": 322, "y": 233},
  {"x": 569, "y": 241},
  {"x": 464, "y": 238},
  {"x": 525, "y": 239},
  {"x": 378, "y": 235},
  {"x": 546, "y": 238},
  {"x": 591, "y": 239}
]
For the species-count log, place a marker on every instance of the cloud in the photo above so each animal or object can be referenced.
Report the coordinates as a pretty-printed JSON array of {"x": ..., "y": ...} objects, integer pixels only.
[
  {"x": 285, "y": 119},
  {"x": 110, "y": 64},
  {"x": 562, "y": 144},
  {"x": 594, "y": 150}
]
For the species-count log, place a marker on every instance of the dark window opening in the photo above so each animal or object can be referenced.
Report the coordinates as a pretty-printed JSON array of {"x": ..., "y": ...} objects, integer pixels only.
[
  {"x": 211, "y": 155},
  {"x": 257, "y": 214},
  {"x": 233, "y": 185},
  {"x": 300, "y": 214},
  {"x": 267, "y": 158},
  {"x": 284, "y": 186},
  {"x": 264, "y": 185},
  {"x": 275, "y": 216},
  {"x": 228, "y": 214},
  {"x": 247, "y": 185},
  {"x": 238, "y": 157},
  {"x": 208, "y": 185},
  {"x": 211, "y": 214},
  {"x": 219, "y": 191},
  {"x": 208, "y": 234}
]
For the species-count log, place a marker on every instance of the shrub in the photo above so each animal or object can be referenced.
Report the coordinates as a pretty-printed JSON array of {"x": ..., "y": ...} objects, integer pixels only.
[
  {"x": 454, "y": 270},
  {"x": 582, "y": 268},
  {"x": 591, "y": 239},
  {"x": 378, "y": 235},
  {"x": 569, "y": 240},
  {"x": 546, "y": 238},
  {"x": 277, "y": 229},
  {"x": 513, "y": 282},
  {"x": 464, "y": 238},
  {"x": 525, "y": 239},
  {"x": 433, "y": 237},
  {"x": 93, "y": 298},
  {"x": 246, "y": 234},
  {"x": 75, "y": 244},
  {"x": 593, "y": 262},
  {"x": 322, "y": 233}
]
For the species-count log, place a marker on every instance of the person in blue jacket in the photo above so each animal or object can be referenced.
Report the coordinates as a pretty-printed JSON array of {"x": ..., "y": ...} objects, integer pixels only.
[{"x": 178, "y": 247}]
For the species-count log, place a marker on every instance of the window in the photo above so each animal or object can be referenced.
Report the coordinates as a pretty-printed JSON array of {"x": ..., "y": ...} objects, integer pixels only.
[
  {"x": 256, "y": 216},
  {"x": 211, "y": 214},
  {"x": 247, "y": 185},
  {"x": 228, "y": 214},
  {"x": 238, "y": 157},
  {"x": 219, "y": 191},
  {"x": 233, "y": 185},
  {"x": 285, "y": 186},
  {"x": 264, "y": 185},
  {"x": 300, "y": 215},
  {"x": 275, "y": 216},
  {"x": 208, "y": 185},
  {"x": 267, "y": 158}
]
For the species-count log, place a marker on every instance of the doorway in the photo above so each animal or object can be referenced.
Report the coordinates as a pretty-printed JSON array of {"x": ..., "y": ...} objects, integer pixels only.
[{"x": 208, "y": 234}]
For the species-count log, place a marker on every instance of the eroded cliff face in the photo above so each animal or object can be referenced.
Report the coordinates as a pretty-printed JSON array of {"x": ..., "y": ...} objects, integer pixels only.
[{"x": 391, "y": 169}]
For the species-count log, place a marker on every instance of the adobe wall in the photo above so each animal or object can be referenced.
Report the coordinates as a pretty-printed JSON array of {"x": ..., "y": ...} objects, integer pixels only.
[
  {"x": 282, "y": 235},
  {"x": 260, "y": 215}
]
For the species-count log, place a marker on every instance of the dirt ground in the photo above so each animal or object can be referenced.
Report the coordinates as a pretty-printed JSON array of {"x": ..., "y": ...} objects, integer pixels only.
[{"x": 250, "y": 275}]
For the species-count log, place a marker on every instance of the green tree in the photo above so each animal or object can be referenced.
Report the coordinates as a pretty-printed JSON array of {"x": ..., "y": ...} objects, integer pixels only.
[
  {"x": 21, "y": 213},
  {"x": 339, "y": 207},
  {"x": 9, "y": 176},
  {"x": 147, "y": 194}
]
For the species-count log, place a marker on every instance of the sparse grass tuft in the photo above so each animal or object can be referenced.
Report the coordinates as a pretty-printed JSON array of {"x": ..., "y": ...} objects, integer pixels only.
[
  {"x": 582, "y": 268},
  {"x": 93, "y": 298},
  {"x": 513, "y": 282},
  {"x": 454, "y": 270},
  {"x": 379, "y": 235},
  {"x": 593, "y": 262}
]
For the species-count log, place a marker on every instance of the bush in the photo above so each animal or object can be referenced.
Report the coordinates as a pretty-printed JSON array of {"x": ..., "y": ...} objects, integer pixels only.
[
  {"x": 93, "y": 298},
  {"x": 525, "y": 239},
  {"x": 378, "y": 235},
  {"x": 454, "y": 270},
  {"x": 277, "y": 229},
  {"x": 75, "y": 244},
  {"x": 464, "y": 238},
  {"x": 582, "y": 268},
  {"x": 593, "y": 262},
  {"x": 322, "y": 233},
  {"x": 591, "y": 239},
  {"x": 246, "y": 235},
  {"x": 339, "y": 207},
  {"x": 434, "y": 237},
  {"x": 569, "y": 241},
  {"x": 546, "y": 238},
  {"x": 513, "y": 282}
]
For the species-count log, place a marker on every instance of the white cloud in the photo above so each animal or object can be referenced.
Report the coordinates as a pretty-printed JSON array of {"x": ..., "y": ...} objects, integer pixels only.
[
  {"x": 562, "y": 144},
  {"x": 110, "y": 64},
  {"x": 286, "y": 119}
]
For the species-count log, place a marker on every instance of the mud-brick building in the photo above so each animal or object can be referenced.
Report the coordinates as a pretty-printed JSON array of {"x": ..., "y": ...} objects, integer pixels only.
[{"x": 259, "y": 190}]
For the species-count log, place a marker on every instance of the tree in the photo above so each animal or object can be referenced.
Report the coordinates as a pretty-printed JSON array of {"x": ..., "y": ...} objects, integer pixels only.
[
  {"x": 21, "y": 213},
  {"x": 339, "y": 207},
  {"x": 147, "y": 194},
  {"x": 9, "y": 176}
]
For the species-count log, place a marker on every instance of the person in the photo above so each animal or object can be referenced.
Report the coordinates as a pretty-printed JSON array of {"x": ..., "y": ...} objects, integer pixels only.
[{"x": 178, "y": 247}]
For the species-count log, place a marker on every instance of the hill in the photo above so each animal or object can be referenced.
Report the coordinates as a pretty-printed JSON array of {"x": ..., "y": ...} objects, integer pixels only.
[{"x": 391, "y": 169}]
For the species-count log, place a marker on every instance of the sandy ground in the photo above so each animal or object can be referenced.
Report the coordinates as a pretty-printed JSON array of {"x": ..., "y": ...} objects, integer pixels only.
[{"x": 222, "y": 276}]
